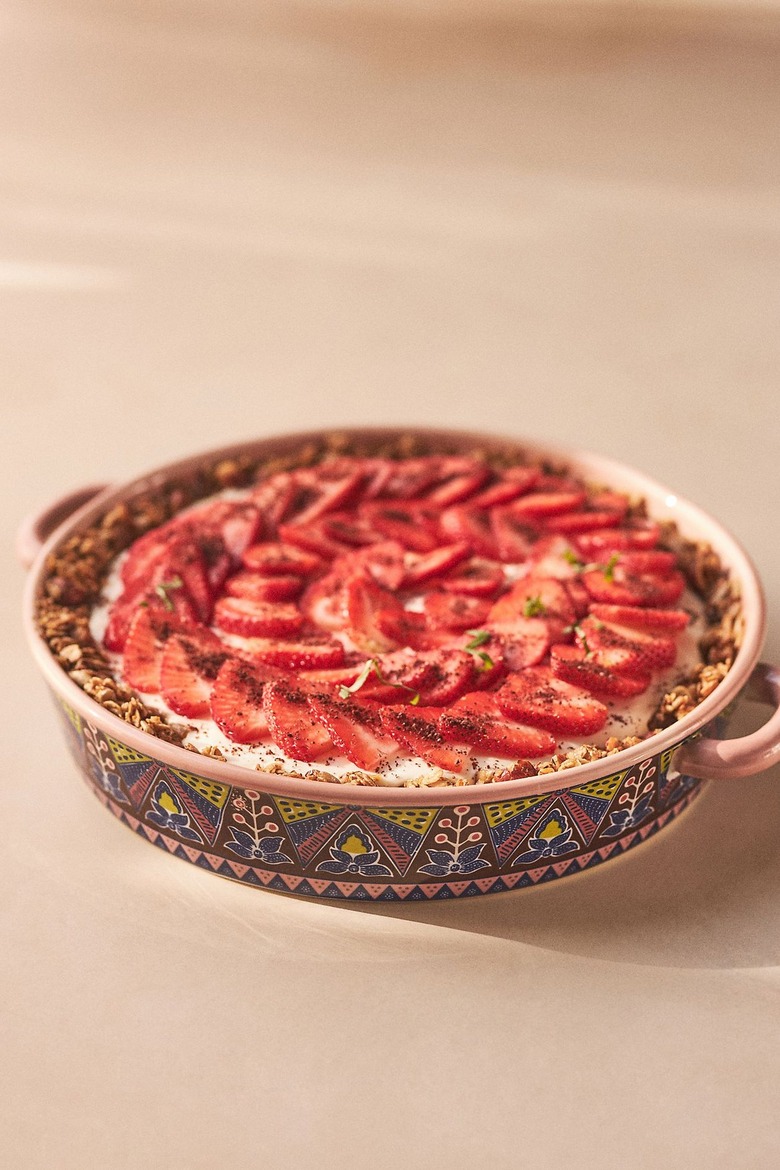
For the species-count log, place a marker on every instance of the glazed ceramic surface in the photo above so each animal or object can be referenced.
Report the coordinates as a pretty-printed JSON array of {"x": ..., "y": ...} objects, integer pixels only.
[{"x": 340, "y": 841}]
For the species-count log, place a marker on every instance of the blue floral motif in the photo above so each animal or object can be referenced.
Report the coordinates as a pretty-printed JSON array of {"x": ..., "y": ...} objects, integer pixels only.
[
  {"x": 109, "y": 782},
  {"x": 265, "y": 849},
  {"x": 624, "y": 819},
  {"x": 354, "y": 853},
  {"x": 442, "y": 863},
  {"x": 552, "y": 840},
  {"x": 168, "y": 814}
]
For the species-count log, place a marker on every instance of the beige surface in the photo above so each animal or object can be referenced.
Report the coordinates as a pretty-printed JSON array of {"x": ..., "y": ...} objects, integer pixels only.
[{"x": 220, "y": 227}]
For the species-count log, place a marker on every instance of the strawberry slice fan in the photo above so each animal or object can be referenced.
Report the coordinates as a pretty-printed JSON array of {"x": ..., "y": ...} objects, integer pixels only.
[{"x": 435, "y": 608}]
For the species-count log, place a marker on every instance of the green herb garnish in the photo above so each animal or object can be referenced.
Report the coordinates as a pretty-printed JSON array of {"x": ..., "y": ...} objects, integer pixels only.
[
  {"x": 346, "y": 691},
  {"x": 478, "y": 638},
  {"x": 372, "y": 667},
  {"x": 165, "y": 587},
  {"x": 534, "y": 607},
  {"x": 571, "y": 558},
  {"x": 487, "y": 661},
  {"x": 609, "y": 568}
]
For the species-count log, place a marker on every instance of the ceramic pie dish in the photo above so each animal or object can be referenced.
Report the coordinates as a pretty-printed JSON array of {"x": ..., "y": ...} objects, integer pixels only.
[{"x": 317, "y": 838}]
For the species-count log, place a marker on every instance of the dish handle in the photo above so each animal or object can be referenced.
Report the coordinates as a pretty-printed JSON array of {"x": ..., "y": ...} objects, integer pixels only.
[
  {"x": 729, "y": 759},
  {"x": 36, "y": 529}
]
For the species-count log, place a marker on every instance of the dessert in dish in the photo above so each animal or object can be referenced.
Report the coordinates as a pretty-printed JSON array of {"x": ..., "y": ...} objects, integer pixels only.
[{"x": 396, "y": 618}]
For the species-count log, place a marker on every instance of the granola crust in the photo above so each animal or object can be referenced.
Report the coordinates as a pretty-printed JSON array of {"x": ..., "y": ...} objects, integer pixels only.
[{"x": 75, "y": 572}]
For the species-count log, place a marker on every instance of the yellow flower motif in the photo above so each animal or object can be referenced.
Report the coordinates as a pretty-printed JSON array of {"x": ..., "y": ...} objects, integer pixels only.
[
  {"x": 354, "y": 846},
  {"x": 550, "y": 830},
  {"x": 167, "y": 802}
]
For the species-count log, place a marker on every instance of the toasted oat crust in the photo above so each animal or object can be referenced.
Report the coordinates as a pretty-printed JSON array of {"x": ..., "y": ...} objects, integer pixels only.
[{"x": 76, "y": 570}]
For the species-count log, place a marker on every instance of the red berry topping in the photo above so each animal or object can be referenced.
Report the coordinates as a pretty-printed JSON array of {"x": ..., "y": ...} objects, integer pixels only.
[
  {"x": 478, "y": 720},
  {"x": 149, "y": 631},
  {"x": 355, "y": 728},
  {"x": 417, "y": 729},
  {"x": 264, "y": 619},
  {"x": 190, "y": 664},
  {"x": 258, "y": 587},
  {"x": 290, "y": 722},
  {"x": 275, "y": 558},
  {"x": 537, "y": 697},
  {"x": 573, "y": 665},
  {"x": 455, "y": 611},
  {"x": 237, "y": 701}
]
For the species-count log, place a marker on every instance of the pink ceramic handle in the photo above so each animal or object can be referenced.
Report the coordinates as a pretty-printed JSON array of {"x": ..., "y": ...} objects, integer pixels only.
[
  {"x": 724, "y": 759},
  {"x": 35, "y": 530}
]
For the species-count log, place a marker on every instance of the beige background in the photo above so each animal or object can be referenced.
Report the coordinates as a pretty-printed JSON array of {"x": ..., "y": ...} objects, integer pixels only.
[{"x": 219, "y": 221}]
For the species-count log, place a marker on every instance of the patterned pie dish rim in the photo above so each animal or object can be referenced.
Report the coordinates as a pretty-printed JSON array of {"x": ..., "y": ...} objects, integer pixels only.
[{"x": 694, "y": 755}]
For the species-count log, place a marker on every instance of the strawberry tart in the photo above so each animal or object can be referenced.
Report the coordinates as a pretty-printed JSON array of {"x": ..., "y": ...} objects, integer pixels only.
[{"x": 420, "y": 619}]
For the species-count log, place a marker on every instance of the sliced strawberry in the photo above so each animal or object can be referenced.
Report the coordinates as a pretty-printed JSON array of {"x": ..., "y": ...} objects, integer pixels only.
[
  {"x": 412, "y": 524},
  {"x": 274, "y": 498},
  {"x": 580, "y": 521},
  {"x": 655, "y": 621},
  {"x": 190, "y": 575},
  {"x": 257, "y": 619},
  {"x": 552, "y": 556},
  {"x": 538, "y": 504},
  {"x": 647, "y": 561},
  {"x": 451, "y": 675},
  {"x": 459, "y": 487},
  {"x": 335, "y": 677},
  {"x": 306, "y": 652},
  {"x": 355, "y": 728},
  {"x": 625, "y": 650},
  {"x": 573, "y": 665},
  {"x": 490, "y": 661},
  {"x": 638, "y": 534},
  {"x": 237, "y": 701},
  {"x": 237, "y": 523},
  {"x": 524, "y": 641},
  {"x": 144, "y": 556},
  {"x": 537, "y": 697},
  {"x": 455, "y": 611},
  {"x": 469, "y": 524},
  {"x": 364, "y": 600},
  {"x": 326, "y": 487},
  {"x": 350, "y": 529},
  {"x": 290, "y": 722},
  {"x": 511, "y": 535},
  {"x": 407, "y": 628},
  {"x": 407, "y": 478},
  {"x": 398, "y": 676},
  {"x": 513, "y": 483},
  {"x": 149, "y": 630},
  {"x": 607, "y": 501},
  {"x": 417, "y": 729},
  {"x": 313, "y": 537},
  {"x": 260, "y": 587},
  {"x": 325, "y": 601},
  {"x": 553, "y": 482},
  {"x": 535, "y": 597},
  {"x": 434, "y": 564},
  {"x": 384, "y": 561},
  {"x": 623, "y": 588},
  {"x": 578, "y": 595},
  {"x": 190, "y": 664},
  {"x": 274, "y": 559},
  {"x": 476, "y": 577},
  {"x": 379, "y": 474},
  {"x": 173, "y": 601},
  {"x": 120, "y": 618},
  {"x": 477, "y": 719}
]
